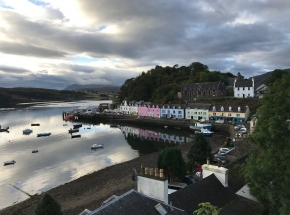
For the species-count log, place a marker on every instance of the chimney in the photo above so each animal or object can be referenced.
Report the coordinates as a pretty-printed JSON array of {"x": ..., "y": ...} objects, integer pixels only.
[
  {"x": 153, "y": 184},
  {"x": 220, "y": 172},
  {"x": 208, "y": 161}
]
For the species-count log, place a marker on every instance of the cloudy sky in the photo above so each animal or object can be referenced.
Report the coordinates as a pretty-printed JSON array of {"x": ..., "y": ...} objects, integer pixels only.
[{"x": 55, "y": 43}]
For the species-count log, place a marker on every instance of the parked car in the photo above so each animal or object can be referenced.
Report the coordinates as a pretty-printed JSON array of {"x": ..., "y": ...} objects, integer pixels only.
[
  {"x": 224, "y": 150},
  {"x": 238, "y": 127},
  {"x": 243, "y": 130},
  {"x": 220, "y": 121},
  {"x": 188, "y": 179},
  {"x": 219, "y": 157}
]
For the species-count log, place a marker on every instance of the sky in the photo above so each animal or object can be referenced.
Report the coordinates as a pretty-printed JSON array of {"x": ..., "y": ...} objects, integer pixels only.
[{"x": 56, "y": 43}]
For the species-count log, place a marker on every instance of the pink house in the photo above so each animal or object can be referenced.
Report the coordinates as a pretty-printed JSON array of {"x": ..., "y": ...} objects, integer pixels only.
[
  {"x": 149, "y": 135},
  {"x": 149, "y": 110}
]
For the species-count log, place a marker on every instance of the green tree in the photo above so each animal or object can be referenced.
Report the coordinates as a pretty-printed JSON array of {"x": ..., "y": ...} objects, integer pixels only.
[
  {"x": 200, "y": 150},
  {"x": 207, "y": 209},
  {"x": 172, "y": 162},
  {"x": 267, "y": 171},
  {"x": 277, "y": 74},
  {"x": 47, "y": 206}
]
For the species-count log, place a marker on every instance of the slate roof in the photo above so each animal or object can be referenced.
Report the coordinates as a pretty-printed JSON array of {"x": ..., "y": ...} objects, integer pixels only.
[
  {"x": 230, "y": 82},
  {"x": 244, "y": 83},
  {"x": 241, "y": 206},
  {"x": 182, "y": 106},
  {"x": 227, "y": 108},
  {"x": 198, "y": 106},
  {"x": 134, "y": 203},
  {"x": 204, "y": 86},
  {"x": 209, "y": 189}
]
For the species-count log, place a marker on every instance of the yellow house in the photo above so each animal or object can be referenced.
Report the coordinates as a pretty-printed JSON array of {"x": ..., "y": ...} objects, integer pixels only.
[{"x": 229, "y": 113}]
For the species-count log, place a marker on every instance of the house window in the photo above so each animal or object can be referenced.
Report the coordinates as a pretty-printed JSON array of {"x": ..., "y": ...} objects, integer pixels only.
[
  {"x": 214, "y": 114},
  {"x": 238, "y": 95},
  {"x": 195, "y": 112},
  {"x": 222, "y": 114},
  {"x": 188, "y": 112},
  {"x": 163, "y": 111},
  {"x": 238, "y": 88},
  {"x": 174, "y": 111},
  {"x": 243, "y": 88},
  {"x": 204, "y": 113},
  {"x": 248, "y": 88},
  {"x": 249, "y": 94},
  {"x": 238, "y": 115},
  {"x": 179, "y": 112},
  {"x": 229, "y": 114}
]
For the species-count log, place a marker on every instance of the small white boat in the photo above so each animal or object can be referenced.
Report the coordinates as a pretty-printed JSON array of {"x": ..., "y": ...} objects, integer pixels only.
[
  {"x": 27, "y": 131},
  {"x": 97, "y": 146},
  {"x": 9, "y": 162},
  {"x": 205, "y": 132},
  {"x": 43, "y": 134}
]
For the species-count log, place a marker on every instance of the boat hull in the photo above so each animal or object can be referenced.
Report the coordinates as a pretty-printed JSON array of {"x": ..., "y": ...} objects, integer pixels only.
[{"x": 44, "y": 135}]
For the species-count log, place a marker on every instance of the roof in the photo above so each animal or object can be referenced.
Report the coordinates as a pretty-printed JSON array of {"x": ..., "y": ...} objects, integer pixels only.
[
  {"x": 182, "y": 106},
  {"x": 208, "y": 189},
  {"x": 263, "y": 86},
  {"x": 206, "y": 86},
  {"x": 230, "y": 82},
  {"x": 240, "y": 206},
  {"x": 244, "y": 83},
  {"x": 198, "y": 106},
  {"x": 234, "y": 109},
  {"x": 133, "y": 202}
]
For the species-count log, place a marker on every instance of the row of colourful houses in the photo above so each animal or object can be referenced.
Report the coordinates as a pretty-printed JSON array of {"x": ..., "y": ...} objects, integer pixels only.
[{"x": 192, "y": 111}]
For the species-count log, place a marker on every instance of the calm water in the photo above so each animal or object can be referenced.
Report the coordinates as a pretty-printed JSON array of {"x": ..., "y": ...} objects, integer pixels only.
[{"x": 61, "y": 159}]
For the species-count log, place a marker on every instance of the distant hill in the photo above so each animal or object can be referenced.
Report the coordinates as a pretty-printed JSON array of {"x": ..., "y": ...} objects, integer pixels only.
[
  {"x": 94, "y": 87},
  {"x": 262, "y": 79}
]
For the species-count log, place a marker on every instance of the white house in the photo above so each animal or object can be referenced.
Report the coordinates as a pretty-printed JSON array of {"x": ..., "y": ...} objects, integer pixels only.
[
  {"x": 243, "y": 88},
  {"x": 130, "y": 107}
]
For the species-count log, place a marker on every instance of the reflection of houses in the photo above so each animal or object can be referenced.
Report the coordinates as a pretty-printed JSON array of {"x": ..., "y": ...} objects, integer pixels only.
[
  {"x": 172, "y": 111},
  {"x": 172, "y": 138},
  {"x": 151, "y": 110},
  {"x": 260, "y": 90},
  {"x": 243, "y": 88},
  {"x": 197, "y": 111},
  {"x": 229, "y": 113},
  {"x": 149, "y": 135},
  {"x": 191, "y": 91},
  {"x": 129, "y": 130}
]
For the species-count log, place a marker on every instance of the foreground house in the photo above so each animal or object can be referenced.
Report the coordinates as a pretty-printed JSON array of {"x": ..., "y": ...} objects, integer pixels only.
[
  {"x": 229, "y": 113},
  {"x": 243, "y": 88},
  {"x": 222, "y": 187}
]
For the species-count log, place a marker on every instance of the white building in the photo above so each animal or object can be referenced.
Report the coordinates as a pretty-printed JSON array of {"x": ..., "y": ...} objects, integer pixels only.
[
  {"x": 243, "y": 88},
  {"x": 130, "y": 107}
]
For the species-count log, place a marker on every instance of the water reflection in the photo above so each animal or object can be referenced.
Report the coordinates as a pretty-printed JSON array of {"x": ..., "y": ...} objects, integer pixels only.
[{"x": 61, "y": 158}]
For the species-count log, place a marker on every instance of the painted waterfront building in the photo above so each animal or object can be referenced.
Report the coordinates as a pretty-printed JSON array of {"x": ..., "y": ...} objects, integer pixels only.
[
  {"x": 131, "y": 107},
  {"x": 243, "y": 88},
  {"x": 192, "y": 91},
  {"x": 229, "y": 113},
  {"x": 172, "y": 111},
  {"x": 197, "y": 111},
  {"x": 151, "y": 110}
]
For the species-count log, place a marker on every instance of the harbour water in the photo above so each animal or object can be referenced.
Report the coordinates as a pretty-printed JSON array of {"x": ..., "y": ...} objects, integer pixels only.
[{"x": 60, "y": 158}]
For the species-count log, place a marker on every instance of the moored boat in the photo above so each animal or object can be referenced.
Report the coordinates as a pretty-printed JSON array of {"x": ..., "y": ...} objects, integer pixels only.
[
  {"x": 43, "y": 134},
  {"x": 73, "y": 130},
  {"x": 97, "y": 146},
  {"x": 201, "y": 125},
  {"x": 69, "y": 117},
  {"x": 205, "y": 132},
  {"x": 35, "y": 124},
  {"x": 27, "y": 131},
  {"x": 34, "y": 151},
  {"x": 75, "y": 136},
  {"x": 77, "y": 125},
  {"x": 9, "y": 162},
  {"x": 4, "y": 129}
]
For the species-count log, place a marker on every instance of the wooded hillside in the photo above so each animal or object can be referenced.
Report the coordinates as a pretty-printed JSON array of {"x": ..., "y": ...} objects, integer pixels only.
[{"x": 161, "y": 84}]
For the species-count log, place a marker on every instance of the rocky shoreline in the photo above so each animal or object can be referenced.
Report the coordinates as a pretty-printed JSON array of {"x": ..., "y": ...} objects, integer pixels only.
[{"x": 89, "y": 191}]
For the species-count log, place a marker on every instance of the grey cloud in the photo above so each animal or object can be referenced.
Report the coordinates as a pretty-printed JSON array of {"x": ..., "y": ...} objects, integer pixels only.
[
  {"x": 11, "y": 69},
  {"x": 54, "y": 14},
  {"x": 163, "y": 33},
  {"x": 29, "y": 50}
]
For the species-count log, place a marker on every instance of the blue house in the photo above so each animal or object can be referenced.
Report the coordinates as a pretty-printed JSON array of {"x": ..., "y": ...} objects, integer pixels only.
[{"x": 172, "y": 111}]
